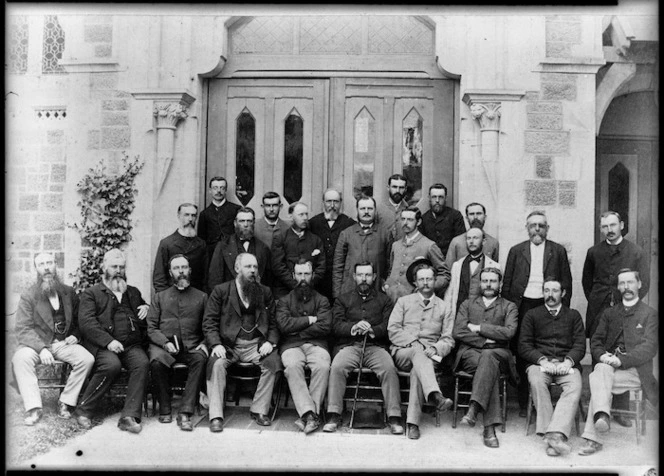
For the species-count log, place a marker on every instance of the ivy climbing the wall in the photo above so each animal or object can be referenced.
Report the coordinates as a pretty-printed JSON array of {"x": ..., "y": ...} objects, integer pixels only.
[{"x": 107, "y": 202}]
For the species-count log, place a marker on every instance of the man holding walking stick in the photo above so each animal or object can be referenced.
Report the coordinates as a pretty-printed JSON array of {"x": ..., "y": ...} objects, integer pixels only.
[{"x": 359, "y": 327}]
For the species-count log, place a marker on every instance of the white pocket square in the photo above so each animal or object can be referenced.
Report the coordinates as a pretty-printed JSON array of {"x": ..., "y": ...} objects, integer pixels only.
[{"x": 639, "y": 326}]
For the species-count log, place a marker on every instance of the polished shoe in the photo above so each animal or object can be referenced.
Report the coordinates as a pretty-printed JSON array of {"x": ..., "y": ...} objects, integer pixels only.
[
  {"x": 217, "y": 425},
  {"x": 557, "y": 442},
  {"x": 395, "y": 425},
  {"x": 84, "y": 422},
  {"x": 442, "y": 403},
  {"x": 33, "y": 416},
  {"x": 622, "y": 421},
  {"x": 299, "y": 423},
  {"x": 129, "y": 424},
  {"x": 312, "y": 424},
  {"x": 523, "y": 412},
  {"x": 470, "y": 418},
  {"x": 602, "y": 422},
  {"x": 551, "y": 451},
  {"x": 490, "y": 438},
  {"x": 184, "y": 422},
  {"x": 413, "y": 431},
  {"x": 64, "y": 411},
  {"x": 591, "y": 447},
  {"x": 165, "y": 418},
  {"x": 333, "y": 422},
  {"x": 261, "y": 419}
]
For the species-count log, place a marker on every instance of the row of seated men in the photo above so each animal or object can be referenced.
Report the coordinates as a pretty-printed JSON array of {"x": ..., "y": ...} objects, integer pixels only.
[{"x": 240, "y": 321}]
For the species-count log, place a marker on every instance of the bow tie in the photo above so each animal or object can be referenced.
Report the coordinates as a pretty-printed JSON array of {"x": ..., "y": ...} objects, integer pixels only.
[{"x": 477, "y": 258}]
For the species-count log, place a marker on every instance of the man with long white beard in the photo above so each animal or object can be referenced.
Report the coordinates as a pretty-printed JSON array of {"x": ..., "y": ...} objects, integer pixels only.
[
  {"x": 239, "y": 325},
  {"x": 304, "y": 318},
  {"x": 175, "y": 331},
  {"x": 112, "y": 320},
  {"x": 47, "y": 329},
  {"x": 183, "y": 241}
]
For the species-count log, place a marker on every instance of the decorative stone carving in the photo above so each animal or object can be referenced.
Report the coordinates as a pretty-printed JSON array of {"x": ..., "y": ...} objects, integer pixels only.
[
  {"x": 169, "y": 114},
  {"x": 488, "y": 115}
]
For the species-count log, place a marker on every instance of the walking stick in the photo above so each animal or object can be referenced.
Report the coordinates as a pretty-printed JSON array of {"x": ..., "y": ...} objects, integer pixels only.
[{"x": 359, "y": 375}]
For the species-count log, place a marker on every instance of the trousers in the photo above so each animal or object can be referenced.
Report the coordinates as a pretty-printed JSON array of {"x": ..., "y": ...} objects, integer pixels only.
[
  {"x": 244, "y": 351},
  {"x": 106, "y": 368},
  {"x": 559, "y": 419},
  {"x": 521, "y": 365},
  {"x": 26, "y": 358},
  {"x": 161, "y": 374},
  {"x": 606, "y": 381},
  {"x": 423, "y": 380},
  {"x": 295, "y": 360},
  {"x": 379, "y": 361},
  {"x": 487, "y": 365}
]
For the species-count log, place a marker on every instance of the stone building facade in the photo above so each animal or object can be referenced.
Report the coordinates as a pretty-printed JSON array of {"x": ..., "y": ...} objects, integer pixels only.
[{"x": 519, "y": 110}]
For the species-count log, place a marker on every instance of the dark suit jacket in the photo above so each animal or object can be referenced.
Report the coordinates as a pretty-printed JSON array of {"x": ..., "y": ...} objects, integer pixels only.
[
  {"x": 95, "y": 315},
  {"x": 443, "y": 227},
  {"x": 517, "y": 270},
  {"x": 545, "y": 336},
  {"x": 34, "y": 322},
  {"x": 195, "y": 251},
  {"x": 329, "y": 236},
  {"x": 214, "y": 222},
  {"x": 293, "y": 320},
  {"x": 287, "y": 249},
  {"x": 223, "y": 319},
  {"x": 350, "y": 308},
  {"x": 222, "y": 264},
  {"x": 639, "y": 325}
]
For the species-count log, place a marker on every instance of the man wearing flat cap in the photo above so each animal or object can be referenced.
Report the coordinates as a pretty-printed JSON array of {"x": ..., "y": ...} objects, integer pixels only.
[{"x": 420, "y": 330}]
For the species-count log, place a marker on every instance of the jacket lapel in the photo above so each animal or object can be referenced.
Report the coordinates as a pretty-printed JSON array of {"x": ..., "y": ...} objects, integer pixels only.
[
  {"x": 235, "y": 299},
  {"x": 67, "y": 307},
  {"x": 231, "y": 254},
  {"x": 548, "y": 254},
  {"x": 44, "y": 312},
  {"x": 526, "y": 252}
]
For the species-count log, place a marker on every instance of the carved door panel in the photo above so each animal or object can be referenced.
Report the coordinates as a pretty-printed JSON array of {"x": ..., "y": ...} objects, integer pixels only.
[
  {"x": 624, "y": 183},
  {"x": 266, "y": 134},
  {"x": 387, "y": 126}
]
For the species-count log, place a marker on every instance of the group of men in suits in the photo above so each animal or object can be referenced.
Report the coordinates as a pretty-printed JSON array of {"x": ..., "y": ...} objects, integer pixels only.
[{"x": 376, "y": 292}]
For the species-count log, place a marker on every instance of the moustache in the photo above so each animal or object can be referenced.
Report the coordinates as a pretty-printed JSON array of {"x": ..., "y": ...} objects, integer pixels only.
[{"x": 189, "y": 224}]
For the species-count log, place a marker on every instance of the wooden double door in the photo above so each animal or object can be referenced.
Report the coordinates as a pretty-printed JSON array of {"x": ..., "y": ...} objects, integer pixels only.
[{"x": 299, "y": 136}]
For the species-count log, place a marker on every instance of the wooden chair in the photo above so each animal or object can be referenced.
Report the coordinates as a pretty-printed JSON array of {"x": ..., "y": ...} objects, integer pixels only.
[
  {"x": 580, "y": 413},
  {"x": 463, "y": 382},
  {"x": 370, "y": 390},
  {"x": 638, "y": 398},
  {"x": 178, "y": 382},
  {"x": 119, "y": 388},
  {"x": 404, "y": 389},
  {"x": 244, "y": 372},
  {"x": 53, "y": 376}
]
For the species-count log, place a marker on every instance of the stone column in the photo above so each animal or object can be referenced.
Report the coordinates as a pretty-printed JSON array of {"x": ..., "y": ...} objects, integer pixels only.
[
  {"x": 167, "y": 115},
  {"x": 485, "y": 108}
]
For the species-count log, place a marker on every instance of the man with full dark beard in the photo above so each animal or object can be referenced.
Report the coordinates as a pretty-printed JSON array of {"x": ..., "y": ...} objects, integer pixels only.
[
  {"x": 47, "y": 329},
  {"x": 239, "y": 325},
  {"x": 222, "y": 264},
  {"x": 441, "y": 223},
  {"x": 304, "y": 318},
  {"x": 175, "y": 331},
  {"x": 476, "y": 216},
  {"x": 388, "y": 215},
  {"x": 183, "y": 241},
  {"x": 112, "y": 319}
]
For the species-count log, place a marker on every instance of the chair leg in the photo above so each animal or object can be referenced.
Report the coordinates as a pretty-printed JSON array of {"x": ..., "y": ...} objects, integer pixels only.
[
  {"x": 279, "y": 385},
  {"x": 456, "y": 402},
  {"x": 637, "y": 420},
  {"x": 504, "y": 402},
  {"x": 529, "y": 412}
]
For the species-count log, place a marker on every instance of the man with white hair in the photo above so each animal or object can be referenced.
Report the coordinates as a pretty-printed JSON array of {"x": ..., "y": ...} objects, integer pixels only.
[
  {"x": 47, "y": 329},
  {"x": 239, "y": 325},
  {"x": 112, "y": 320}
]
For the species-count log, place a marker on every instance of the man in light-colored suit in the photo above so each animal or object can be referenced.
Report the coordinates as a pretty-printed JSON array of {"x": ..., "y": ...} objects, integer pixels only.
[
  {"x": 465, "y": 281},
  {"x": 420, "y": 330}
]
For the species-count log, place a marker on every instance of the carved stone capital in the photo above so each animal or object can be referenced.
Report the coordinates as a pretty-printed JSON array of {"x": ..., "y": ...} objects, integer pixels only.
[
  {"x": 487, "y": 114},
  {"x": 169, "y": 114}
]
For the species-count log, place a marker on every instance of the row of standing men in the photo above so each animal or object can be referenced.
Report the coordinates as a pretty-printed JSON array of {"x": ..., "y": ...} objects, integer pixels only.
[{"x": 523, "y": 282}]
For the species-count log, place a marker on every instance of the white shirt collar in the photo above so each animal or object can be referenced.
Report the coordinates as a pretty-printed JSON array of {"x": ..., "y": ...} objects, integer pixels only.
[
  {"x": 615, "y": 244},
  {"x": 557, "y": 309},
  {"x": 221, "y": 204},
  {"x": 487, "y": 301},
  {"x": 411, "y": 239},
  {"x": 631, "y": 303}
]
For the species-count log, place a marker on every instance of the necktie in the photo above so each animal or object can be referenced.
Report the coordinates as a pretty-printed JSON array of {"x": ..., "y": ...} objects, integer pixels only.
[
  {"x": 553, "y": 312},
  {"x": 477, "y": 258},
  {"x": 426, "y": 302}
]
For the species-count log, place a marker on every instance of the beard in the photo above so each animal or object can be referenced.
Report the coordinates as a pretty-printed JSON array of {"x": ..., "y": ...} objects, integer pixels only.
[
  {"x": 182, "y": 281},
  {"x": 476, "y": 223},
  {"x": 303, "y": 291},
  {"x": 489, "y": 292},
  {"x": 244, "y": 233},
  {"x": 332, "y": 215},
  {"x": 189, "y": 230},
  {"x": 251, "y": 291},
  {"x": 116, "y": 282},
  {"x": 437, "y": 208},
  {"x": 396, "y": 197},
  {"x": 363, "y": 288},
  {"x": 49, "y": 284}
]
